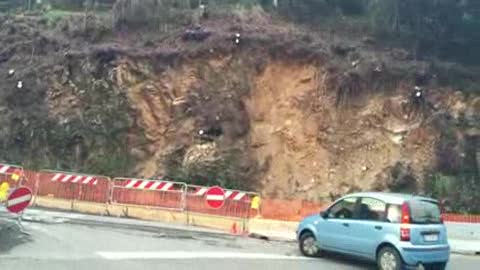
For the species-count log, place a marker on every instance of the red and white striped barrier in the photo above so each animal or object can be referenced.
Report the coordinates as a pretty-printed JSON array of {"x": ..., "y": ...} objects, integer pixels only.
[
  {"x": 199, "y": 191},
  {"x": 9, "y": 169},
  {"x": 75, "y": 179},
  {"x": 233, "y": 195},
  {"x": 73, "y": 186},
  {"x": 148, "y": 192},
  {"x": 148, "y": 184}
]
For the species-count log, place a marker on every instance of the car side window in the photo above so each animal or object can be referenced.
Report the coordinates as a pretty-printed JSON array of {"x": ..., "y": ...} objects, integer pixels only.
[
  {"x": 372, "y": 209},
  {"x": 394, "y": 213},
  {"x": 343, "y": 209}
]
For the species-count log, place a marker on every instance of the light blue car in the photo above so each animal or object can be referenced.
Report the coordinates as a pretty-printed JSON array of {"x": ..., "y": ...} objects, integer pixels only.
[{"x": 395, "y": 230}]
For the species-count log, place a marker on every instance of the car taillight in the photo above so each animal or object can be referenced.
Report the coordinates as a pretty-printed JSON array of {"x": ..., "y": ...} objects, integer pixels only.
[{"x": 405, "y": 225}]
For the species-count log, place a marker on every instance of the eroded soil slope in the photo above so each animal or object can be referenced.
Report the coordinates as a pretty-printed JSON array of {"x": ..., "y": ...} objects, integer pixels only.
[{"x": 278, "y": 114}]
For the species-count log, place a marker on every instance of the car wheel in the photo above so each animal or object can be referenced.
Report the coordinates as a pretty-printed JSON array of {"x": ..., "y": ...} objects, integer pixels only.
[
  {"x": 389, "y": 259},
  {"x": 308, "y": 245},
  {"x": 435, "y": 266}
]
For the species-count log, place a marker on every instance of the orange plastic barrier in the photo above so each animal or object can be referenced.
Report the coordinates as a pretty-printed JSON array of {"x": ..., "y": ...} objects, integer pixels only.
[
  {"x": 289, "y": 210},
  {"x": 73, "y": 186},
  {"x": 237, "y": 203},
  {"x": 146, "y": 192},
  {"x": 30, "y": 180},
  {"x": 461, "y": 218}
]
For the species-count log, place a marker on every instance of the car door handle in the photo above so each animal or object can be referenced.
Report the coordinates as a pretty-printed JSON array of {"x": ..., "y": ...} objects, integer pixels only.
[
  {"x": 378, "y": 227},
  {"x": 346, "y": 224}
]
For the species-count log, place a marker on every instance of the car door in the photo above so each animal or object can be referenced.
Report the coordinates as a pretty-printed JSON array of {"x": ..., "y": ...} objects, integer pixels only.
[
  {"x": 334, "y": 230},
  {"x": 367, "y": 229}
]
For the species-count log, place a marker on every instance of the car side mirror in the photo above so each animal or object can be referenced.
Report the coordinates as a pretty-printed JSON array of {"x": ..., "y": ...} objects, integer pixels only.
[{"x": 324, "y": 214}]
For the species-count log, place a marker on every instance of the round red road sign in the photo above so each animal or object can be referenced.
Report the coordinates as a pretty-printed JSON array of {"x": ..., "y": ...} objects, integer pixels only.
[
  {"x": 215, "y": 197},
  {"x": 19, "y": 200}
]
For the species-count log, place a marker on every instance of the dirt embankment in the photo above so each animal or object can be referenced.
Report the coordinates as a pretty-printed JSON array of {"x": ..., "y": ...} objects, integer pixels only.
[{"x": 281, "y": 115}]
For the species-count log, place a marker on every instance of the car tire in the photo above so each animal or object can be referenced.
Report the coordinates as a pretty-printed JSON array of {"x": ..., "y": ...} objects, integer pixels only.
[
  {"x": 308, "y": 245},
  {"x": 388, "y": 258},
  {"x": 435, "y": 266}
]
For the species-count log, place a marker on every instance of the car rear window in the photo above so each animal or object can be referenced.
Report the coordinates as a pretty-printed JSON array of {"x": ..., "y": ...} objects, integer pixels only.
[{"x": 424, "y": 212}]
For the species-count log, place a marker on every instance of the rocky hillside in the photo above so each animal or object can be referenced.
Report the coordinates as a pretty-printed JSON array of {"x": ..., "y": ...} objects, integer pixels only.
[{"x": 286, "y": 112}]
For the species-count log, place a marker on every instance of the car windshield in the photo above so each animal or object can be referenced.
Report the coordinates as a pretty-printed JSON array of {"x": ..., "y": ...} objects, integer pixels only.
[{"x": 424, "y": 212}]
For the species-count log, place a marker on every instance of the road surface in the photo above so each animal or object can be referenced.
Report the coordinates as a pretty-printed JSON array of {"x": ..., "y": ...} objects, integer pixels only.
[{"x": 57, "y": 243}]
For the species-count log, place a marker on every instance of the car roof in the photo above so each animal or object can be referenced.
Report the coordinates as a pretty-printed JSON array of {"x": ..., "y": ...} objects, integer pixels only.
[{"x": 397, "y": 198}]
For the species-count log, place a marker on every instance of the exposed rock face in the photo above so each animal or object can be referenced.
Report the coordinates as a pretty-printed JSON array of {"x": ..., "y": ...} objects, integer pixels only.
[{"x": 285, "y": 122}]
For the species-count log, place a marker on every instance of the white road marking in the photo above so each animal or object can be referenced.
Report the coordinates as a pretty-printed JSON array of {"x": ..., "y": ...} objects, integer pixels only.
[{"x": 179, "y": 255}]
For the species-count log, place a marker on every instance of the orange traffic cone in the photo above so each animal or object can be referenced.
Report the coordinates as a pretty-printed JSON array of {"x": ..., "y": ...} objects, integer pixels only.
[
  {"x": 233, "y": 230},
  {"x": 245, "y": 232}
]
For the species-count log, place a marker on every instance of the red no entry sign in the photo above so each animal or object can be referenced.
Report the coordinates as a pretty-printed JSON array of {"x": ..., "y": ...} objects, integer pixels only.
[
  {"x": 19, "y": 200},
  {"x": 215, "y": 197}
]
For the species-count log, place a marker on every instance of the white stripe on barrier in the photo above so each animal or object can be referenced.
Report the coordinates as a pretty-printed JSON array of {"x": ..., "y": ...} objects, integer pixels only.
[
  {"x": 87, "y": 180},
  {"x": 66, "y": 178},
  {"x": 202, "y": 191},
  {"x": 239, "y": 196},
  {"x": 56, "y": 177},
  {"x": 144, "y": 184},
  {"x": 228, "y": 193},
  {"x": 166, "y": 187},
  {"x": 131, "y": 183},
  {"x": 4, "y": 169},
  {"x": 155, "y": 186},
  {"x": 76, "y": 179}
]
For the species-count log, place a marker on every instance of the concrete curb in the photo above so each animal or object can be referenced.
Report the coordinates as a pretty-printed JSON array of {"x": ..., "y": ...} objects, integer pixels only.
[
  {"x": 465, "y": 252},
  {"x": 145, "y": 213}
]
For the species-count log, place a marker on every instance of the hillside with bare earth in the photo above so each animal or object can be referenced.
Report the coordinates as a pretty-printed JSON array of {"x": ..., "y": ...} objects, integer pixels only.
[{"x": 287, "y": 113}]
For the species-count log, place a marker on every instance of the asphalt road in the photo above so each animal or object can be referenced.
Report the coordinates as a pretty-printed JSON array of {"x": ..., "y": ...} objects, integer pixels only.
[{"x": 62, "y": 244}]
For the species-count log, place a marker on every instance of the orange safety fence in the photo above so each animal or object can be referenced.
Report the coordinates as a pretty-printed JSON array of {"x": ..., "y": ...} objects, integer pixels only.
[
  {"x": 30, "y": 180},
  {"x": 146, "y": 192},
  {"x": 73, "y": 186},
  {"x": 461, "y": 218},
  {"x": 289, "y": 210},
  {"x": 164, "y": 194},
  {"x": 237, "y": 203}
]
